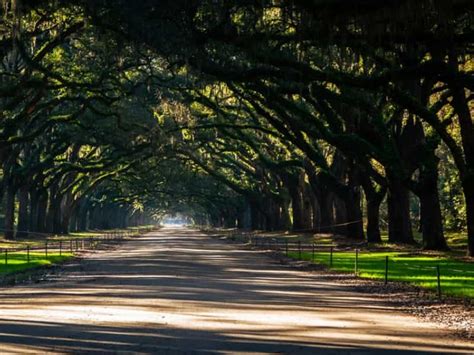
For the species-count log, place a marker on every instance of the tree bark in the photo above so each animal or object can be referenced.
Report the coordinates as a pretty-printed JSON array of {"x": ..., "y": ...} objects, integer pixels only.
[
  {"x": 373, "y": 220},
  {"x": 466, "y": 124},
  {"x": 430, "y": 210},
  {"x": 65, "y": 220},
  {"x": 57, "y": 227},
  {"x": 316, "y": 212},
  {"x": 373, "y": 198},
  {"x": 326, "y": 201},
  {"x": 42, "y": 209},
  {"x": 296, "y": 207},
  {"x": 34, "y": 205},
  {"x": 431, "y": 219},
  {"x": 398, "y": 203},
  {"x": 23, "y": 217},
  {"x": 307, "y": 206},
  {"x": 468, "y": 189},
  {"x": 82, "y": 215},
  {"x": 323, "y": 207},
  {"x": 285, "y": 220},
  {"x": 10, "y": 211},
  {"x": 340, "y": 216},
  {"x": 272, "y": 213},
  {"x": 255, "y": 218},
  {"x": 355, "y": 226}
]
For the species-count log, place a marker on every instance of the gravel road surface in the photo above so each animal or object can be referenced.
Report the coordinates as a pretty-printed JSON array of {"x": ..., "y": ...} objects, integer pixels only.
[{"x": 179, "y": 291}]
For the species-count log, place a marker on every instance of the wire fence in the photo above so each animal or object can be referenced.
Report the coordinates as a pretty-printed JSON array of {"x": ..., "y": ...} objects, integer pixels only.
[{"x": 454, "y": 277}]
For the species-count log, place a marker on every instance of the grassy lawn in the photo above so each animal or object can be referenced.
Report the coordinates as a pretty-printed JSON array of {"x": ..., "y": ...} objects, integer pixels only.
[
  {"x": 457, "y": 277},
  {"x": 18, "y": 261}
]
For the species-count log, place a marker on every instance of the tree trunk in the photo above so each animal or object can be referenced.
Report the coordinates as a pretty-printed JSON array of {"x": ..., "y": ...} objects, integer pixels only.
[
  {"x": 57, "y": 227},
  {"x": 34, "y": 205},
  {"x": 82, "y": 216},
  {"x": 68, "y": 208},
  {"x": 49, "y": 217},
  {"x": 254, "y": 216},
  {"x": 42, "y": 209},
  {"x": 51, "y": 211},
  {"x": 247, "y": 217},
  {"x": 84, "y": 220},
  {"x": 432, "y": 225},
  {"x": 373, "y": 198},
  {"x": 326, "y": 201},
  {"x": 54, "y": 215},
  {"x": 323, "y": 206},
  {"x": 430, "y": 210},
  {"x": 340, "y": 216},
  {"x": 307, "y": 212},
  {"x": 466, "y": 124},
  {"x": 240, "y": 220},
  {"x": 373, "y": 220},
  {"x": 272, "y": 213},
  {"x": 65, "y": 220},
  {"x": 355, "y": 226},
  {"x": 23, "y": 217},
  {"x": 468, "y": 189},
  {"x": 285, "y": 219},
  {"x": 10, "y": 211},
  {"x": 297, "y": 208},
  {"x": 398, "y": 203},
  {"x": 316, "y": 216},
  {"x": 74, "y": 224}
]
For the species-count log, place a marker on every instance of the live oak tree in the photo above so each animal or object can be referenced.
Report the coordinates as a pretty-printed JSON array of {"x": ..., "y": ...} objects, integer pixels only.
[{"x": 280, "y": 107}]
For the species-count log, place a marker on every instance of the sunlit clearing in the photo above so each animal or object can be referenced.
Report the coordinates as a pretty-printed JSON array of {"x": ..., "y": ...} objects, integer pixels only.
[
  {"x": 177, "y": 220},
  {"x": 170, "y": 224}
]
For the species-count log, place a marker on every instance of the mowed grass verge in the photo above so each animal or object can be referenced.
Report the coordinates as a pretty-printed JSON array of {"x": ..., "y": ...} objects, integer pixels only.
[
  {"x": 17, "y": 261},
  {"x": 457, "y": 277}
]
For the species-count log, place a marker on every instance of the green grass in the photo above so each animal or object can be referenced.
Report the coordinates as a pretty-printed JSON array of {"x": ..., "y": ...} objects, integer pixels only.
[
  {"x": 456, "y": 240},
  {"x": 457, "y": 277},
  {"x": 18, "y": 261},
  {"x": 89, "y": 234}
]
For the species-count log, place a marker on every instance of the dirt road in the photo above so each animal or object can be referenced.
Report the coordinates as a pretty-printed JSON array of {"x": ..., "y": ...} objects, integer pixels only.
[{"x": 176, "y": 291}]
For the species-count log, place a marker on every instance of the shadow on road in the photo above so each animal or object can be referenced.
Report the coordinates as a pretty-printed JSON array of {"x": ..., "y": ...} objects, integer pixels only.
[{"x": 179, "y": 291}]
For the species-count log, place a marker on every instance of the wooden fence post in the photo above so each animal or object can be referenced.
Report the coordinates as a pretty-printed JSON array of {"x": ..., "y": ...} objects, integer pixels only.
[
  {"x": 438, "y": 276},
  {"x": 356, "y": 266}
]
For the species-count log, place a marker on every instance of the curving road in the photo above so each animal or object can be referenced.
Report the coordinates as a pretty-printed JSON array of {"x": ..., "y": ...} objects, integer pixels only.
[{"x": 176, "y": 291}]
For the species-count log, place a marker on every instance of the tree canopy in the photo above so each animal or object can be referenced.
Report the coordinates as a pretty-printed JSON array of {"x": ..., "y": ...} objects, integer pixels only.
[{"x": 337, "y": 116}]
